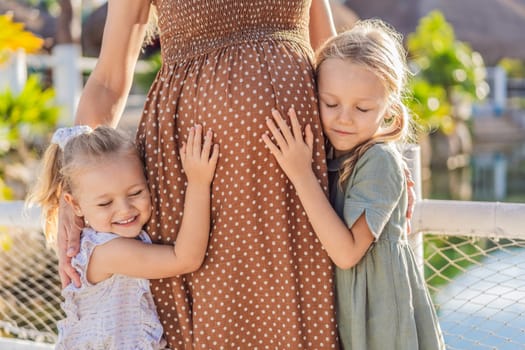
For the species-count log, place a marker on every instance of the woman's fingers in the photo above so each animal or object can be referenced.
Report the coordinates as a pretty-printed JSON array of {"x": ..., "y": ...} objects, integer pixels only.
[
  {"x": 63, "y": 259},
  {"x": 68, "y": 243},
  {"x": 411, "y": 193},
  {"x": 73, "y": 237}
]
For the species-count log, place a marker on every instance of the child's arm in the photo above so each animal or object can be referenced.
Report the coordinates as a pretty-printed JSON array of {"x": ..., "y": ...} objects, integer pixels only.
[
  {"x": 345, "y": 246},
  {"x": 199, "y": 166},
  {"x": 137, "y": 259}
]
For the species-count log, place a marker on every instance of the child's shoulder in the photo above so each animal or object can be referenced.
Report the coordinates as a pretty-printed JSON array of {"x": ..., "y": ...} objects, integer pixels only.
[
  {"x": 95, "y": 237},
  {"x": 382, "y": 155},
  {"x": 89, "y": 233}
]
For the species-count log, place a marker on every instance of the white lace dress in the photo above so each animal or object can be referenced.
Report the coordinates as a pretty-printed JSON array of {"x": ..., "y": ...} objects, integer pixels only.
[{"x": 115, "y": 314}]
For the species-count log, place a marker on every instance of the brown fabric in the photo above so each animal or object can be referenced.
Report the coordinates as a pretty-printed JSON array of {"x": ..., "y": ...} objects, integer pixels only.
[{"x": 266, "y": 283}]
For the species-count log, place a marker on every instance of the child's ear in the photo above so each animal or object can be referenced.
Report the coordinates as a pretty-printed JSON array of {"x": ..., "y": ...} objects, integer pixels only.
[{"x": 68, "y": 197}]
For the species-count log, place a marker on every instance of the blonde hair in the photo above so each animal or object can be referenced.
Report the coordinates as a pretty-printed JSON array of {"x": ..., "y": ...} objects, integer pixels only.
[
  {"x": 378, "y": 47},
  {"x": 59, "y": 168}
]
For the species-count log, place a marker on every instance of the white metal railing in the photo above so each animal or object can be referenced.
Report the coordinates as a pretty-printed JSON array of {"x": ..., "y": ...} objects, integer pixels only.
[
  {"x": 474, "y": 232},
  {"x": 464, "y": 218},
  {"x": 66, "y": 64},
  {"x": 446, "y": 217}
]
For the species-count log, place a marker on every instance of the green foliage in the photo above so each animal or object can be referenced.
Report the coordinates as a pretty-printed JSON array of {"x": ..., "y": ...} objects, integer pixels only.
[
  {"x": 429, "y": 104},
  {"x": 448, "y": 257},
  {"x": 5, "y": 194},
  {"x": 144, "y": 80},
  {"x": 26, "y": 119},
  {"x": 445, "y": 70},
  {"x": 27, "y": 115},
  {"x": 514, "y": 68}
]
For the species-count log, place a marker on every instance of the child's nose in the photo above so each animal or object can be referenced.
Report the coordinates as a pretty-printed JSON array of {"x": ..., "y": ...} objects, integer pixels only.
[
  {"x": 125, "y": 205},
  {"x": 346, "y": 115}
]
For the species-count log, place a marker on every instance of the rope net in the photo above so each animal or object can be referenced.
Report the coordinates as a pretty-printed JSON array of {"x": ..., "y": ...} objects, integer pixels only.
[{"x": 477, "y": 284}]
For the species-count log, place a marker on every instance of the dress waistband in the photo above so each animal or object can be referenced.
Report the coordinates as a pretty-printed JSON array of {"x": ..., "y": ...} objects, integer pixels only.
[{"x": 176, "y": 49}]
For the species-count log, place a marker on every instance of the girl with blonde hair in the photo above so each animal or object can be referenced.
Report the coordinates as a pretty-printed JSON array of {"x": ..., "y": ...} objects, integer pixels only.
[
  {"x": 381, "y": 298},
  {"x": 99, "y": 174}
]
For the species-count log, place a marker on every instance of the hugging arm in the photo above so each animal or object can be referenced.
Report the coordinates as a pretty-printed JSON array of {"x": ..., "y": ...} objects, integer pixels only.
[
  {"x": 134, "y": 258},
  {"x": 345, "y": 246}
]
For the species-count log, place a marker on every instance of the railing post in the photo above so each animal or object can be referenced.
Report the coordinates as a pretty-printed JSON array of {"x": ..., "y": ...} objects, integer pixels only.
[
  {"x": 13, "y": 74},
  {"x": 67, "y": 79},
  {"x": 412, "y": 155}
]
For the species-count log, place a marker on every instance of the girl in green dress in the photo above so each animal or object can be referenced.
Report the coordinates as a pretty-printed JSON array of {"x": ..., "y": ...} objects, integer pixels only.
[{"x": 382, "y": 301}]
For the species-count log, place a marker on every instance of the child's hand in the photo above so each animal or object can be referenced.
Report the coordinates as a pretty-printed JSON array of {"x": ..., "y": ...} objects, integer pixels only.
[
  {"x": 292, "y": 152},
  {"x": 197, "y": 163}
]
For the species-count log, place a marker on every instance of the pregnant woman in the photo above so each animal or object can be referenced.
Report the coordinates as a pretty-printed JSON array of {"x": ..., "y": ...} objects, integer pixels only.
[{"x": 266, "y": 282}]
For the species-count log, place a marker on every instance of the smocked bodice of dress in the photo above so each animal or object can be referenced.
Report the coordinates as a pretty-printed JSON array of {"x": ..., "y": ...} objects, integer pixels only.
[{"x": 188, "y": 28}]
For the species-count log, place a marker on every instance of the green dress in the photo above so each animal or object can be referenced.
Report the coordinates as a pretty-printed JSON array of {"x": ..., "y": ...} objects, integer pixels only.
[{"x": 382, "y": 302}]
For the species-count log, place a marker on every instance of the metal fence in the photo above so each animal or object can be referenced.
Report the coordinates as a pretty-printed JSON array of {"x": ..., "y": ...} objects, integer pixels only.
[
  {"x": 471, "y": 253},
  {"x": 474, "y": 265}
]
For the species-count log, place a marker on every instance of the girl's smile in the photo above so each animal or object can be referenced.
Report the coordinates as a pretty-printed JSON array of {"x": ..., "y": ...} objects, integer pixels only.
[
  {"x": 119, "y": 204},
  {"x": 127, "y": 221}
]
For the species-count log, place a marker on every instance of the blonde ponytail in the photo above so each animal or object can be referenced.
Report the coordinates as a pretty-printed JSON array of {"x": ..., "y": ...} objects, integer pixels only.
[{"x": 48, "y": 189}]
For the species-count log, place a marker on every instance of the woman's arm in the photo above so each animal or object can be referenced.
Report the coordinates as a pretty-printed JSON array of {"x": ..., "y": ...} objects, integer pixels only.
[
  {"x": 345, "y": 246},
  {"x": 102, "y": 102},
  {"x": 105, "y": 93},
  {"x": 321, "y": 23}
]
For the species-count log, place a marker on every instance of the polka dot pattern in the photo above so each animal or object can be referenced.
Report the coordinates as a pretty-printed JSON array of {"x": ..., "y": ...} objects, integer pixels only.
[{"x": 266, "y": 282}]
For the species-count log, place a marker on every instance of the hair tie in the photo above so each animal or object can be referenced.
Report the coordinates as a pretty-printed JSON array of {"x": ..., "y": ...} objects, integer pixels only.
[{"x": 62, "y": 135}]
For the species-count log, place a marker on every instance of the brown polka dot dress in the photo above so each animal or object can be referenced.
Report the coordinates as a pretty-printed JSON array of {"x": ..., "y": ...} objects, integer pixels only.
[{"x": 266, "y": 282}]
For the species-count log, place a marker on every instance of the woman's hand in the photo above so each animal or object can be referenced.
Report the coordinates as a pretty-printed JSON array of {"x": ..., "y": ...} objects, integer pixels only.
[
  {"x": 411, "y": 199},
  {"x": 291, "y": 150},
  {"x": 197, "y": 162},
  {"x": 68, "y": 243}
]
